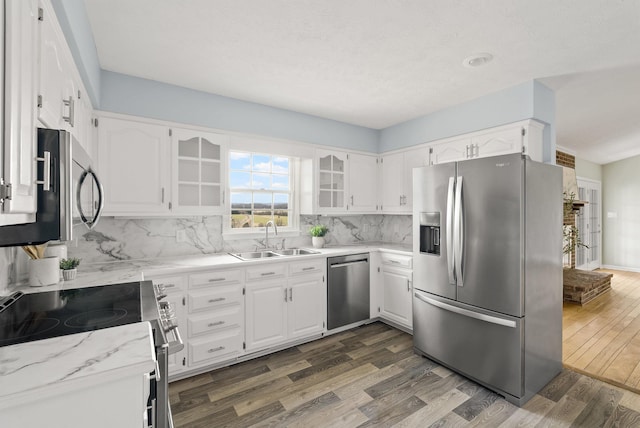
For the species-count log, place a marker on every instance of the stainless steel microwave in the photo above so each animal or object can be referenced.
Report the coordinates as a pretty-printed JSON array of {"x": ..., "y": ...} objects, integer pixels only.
[{"x": 69, "y": 193}]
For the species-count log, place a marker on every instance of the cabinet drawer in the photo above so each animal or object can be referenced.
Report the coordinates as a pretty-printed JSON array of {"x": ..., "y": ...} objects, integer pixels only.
[
  {"x": 213, "y": 321},
  {"x": 171, "y": 284},
  {"x": 222, "y": 345},
  {"x": 215, "y": 278},
  {"x": 310, "y": 266},
  {"x": 214, "y": 297},
  {"x": 267, "y": 271},
  {"x": 397, "y": 260}
]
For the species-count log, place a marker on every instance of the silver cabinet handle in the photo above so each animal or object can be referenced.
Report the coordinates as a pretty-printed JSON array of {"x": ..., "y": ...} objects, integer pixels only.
[
  {"x": 400, "y": 199},
  {"x": 167, "y": 285},
  {"x": 285, "y": 294},
  {"x": 394, "y": 261},
  {"x": 466, "y": 312},
  {"x": 267, "y": 273},
  {"x": 308, "y": 268},
  {"x": 467, "y": 151},
  {"x": 212, "y": 350},
  {"x": 69, "y": 103},
  {"x": 459, "y": 233},
  {"x": 291, "y": 294},
  {"x": 449, "y": 233},
  {"x": 351, "y": 199},
  {"x": 216, "y": 279},
  {"x": 408, "y": 285},
  {"x": 219, "y": 299},
  {"x": 162, "y": 201},
  {"x": 46, "y": 172},
  {"x": 223, "y": 197},
  {"x": 213, "y": 324}
]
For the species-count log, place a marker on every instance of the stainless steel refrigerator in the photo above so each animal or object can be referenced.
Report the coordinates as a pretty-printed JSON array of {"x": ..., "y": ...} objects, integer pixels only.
[{"x": 487, "y": 245}]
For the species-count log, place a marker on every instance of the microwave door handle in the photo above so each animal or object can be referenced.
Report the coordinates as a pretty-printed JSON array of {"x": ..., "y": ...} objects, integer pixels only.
[
  {"x": 98, "y": 212},
  {"x": 83, "y": 177}
]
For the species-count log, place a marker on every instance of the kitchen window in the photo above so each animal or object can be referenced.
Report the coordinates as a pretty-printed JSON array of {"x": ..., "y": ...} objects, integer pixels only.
[{"x": 261, "y": 188}]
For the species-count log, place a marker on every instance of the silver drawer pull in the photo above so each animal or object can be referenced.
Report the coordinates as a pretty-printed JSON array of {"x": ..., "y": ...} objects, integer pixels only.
[
  {"x": 395, "y": 261},
  {"x": 213, "y": 324},
  {"x": 168, "y": 285},
  {"x": 219, "y": 299},
  {"x": 212, "y": 350},
  {"x": 217, "y": 279},
  {"x": 267, "y": 273},
  {"x": 308, "y": 268}
]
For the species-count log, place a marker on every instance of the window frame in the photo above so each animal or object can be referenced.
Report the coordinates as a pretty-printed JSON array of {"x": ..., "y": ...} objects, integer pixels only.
[{"x": 293, "y": 227}]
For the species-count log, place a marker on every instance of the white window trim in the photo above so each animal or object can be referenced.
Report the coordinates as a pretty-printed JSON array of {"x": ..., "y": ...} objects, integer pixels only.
[{"x": 293, "y": 230}]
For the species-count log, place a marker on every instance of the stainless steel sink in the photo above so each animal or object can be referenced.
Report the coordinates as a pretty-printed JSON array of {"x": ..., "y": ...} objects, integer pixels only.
[
  {"x": 252, "y": 255},
  {"x": 296, "y": 252}
]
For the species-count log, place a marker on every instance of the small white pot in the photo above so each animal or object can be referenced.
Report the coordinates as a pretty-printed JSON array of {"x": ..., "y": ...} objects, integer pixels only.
[
  {"x": 69, "y": 274},
  {"x": 44, "y": 271},
  {"x": 317, "y": 241}
]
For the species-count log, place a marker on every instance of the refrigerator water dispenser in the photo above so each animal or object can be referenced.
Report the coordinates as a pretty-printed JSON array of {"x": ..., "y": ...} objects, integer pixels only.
[{"x": 430, "y": 233}]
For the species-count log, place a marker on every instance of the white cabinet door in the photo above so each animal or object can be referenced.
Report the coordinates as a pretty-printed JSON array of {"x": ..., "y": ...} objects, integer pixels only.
[
  {"x": 198, "y": 171},
  {"x": 331, "y": 181},
  {"x": 306, "y": 308},
  {"x": 134, "y": 165},
  {"x": 363, "y": 183},
  {"x": 392, "y": 182},
  {"x": 52, "y": 62},
  {"x": 396, "y": 296},
  {"x": 266, "y": 314},
  {"x": 450, "y": 151},
  {"x": 412, "y": 159},
  {"x": 498, "y": 143},
  {"x": 20, "y": 93}
]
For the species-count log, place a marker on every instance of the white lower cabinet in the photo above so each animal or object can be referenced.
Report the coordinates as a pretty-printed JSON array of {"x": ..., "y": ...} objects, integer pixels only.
[
  {"x": 396, "y": 289},
  {"x": 215, "y": 328},
  {"x": 281, "y": 308}
]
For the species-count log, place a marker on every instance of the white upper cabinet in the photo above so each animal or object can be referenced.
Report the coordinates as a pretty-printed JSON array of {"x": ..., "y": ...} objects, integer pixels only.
[
  {"x": 199, "y": 171},
  {"x": 397, "y": 179},
  {"x": 134, "y": 163},
  {"x": 363, "y": 183},
  {"x": 62, "y": 99},
  {"x": 18, "y": 171},
  {"x": 332, "y": 173},
  {"x": 520, "y": 137}
]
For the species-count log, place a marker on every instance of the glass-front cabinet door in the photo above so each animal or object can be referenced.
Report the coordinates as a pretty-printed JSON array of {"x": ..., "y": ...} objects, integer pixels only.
[
  {"x": 198, "y": 171},
  {"x": 331, "y": 181}
]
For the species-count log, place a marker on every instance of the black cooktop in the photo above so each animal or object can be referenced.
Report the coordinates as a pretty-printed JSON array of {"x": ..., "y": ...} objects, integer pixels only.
[{"x": 48, "y": 314}]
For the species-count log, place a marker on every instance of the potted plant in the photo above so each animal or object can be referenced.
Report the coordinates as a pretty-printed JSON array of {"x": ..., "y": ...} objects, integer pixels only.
[
  {"x": 68, "y": 267},
  {"x": 317, "y": 235}
]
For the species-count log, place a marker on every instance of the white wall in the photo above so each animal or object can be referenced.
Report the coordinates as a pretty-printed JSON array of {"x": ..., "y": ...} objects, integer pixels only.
[
  {"x": 590, "y": 170},
  {"x": 621, "y": 214}
]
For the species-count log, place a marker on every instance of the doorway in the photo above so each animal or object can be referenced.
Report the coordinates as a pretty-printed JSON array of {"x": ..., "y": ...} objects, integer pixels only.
[{"x": 589, "y": 223}]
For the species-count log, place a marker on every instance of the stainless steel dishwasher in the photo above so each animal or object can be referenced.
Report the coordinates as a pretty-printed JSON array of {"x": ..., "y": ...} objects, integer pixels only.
[{"x": 348, "y": 290}]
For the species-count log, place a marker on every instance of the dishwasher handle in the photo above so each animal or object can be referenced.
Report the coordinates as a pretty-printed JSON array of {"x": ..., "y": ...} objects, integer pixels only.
[{"x": 354, "y": 262}]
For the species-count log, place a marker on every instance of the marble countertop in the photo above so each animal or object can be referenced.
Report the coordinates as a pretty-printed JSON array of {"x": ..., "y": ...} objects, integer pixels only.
[
  {"x": 106, "y": 273},
  {"x": 43, "y": 368}
]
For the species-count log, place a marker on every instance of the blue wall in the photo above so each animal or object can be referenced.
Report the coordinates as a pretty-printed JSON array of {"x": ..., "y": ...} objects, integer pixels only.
[
  {"x": 74, "y": 22},
  {"x": 142, "y": 97},
  {"x": 524, "y": 101}
]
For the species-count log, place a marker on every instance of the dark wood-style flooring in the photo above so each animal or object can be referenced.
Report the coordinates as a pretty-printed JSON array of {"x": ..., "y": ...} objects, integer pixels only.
[{"x": 369, "y": 376}]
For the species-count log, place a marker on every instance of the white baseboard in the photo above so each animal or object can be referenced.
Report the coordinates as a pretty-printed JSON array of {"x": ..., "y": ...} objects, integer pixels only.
[{"x": 625, "y": 268}]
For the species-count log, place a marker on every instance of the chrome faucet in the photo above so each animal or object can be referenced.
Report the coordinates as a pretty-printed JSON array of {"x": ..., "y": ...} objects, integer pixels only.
[{"x": 266, "y": 232}]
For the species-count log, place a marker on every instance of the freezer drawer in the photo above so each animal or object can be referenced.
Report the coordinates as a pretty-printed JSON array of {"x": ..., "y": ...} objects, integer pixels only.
[{"x": 482, "y": 345}]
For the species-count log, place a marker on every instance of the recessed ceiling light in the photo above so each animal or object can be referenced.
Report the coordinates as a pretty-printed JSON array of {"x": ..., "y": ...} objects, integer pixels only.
[{"x": 477, "y": 60}]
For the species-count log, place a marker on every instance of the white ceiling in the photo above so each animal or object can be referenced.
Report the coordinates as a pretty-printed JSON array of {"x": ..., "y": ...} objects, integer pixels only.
[{"x": 376, "y": 63}]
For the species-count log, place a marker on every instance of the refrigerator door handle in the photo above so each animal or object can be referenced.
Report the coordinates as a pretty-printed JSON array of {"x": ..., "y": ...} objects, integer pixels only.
[
  {"x": 449, "y": 232},
  {"x": 458, "y": 233},
  {"x": 466, "y": 312}
]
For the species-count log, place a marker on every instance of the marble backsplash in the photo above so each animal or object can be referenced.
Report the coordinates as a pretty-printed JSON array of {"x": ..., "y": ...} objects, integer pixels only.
[
  {"x": 131, "y": 239},
  {"x": 127, "y": 239}
]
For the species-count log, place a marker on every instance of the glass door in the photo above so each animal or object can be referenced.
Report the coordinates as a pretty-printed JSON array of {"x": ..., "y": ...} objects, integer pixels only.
[{"x": 589, "y": 223}]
